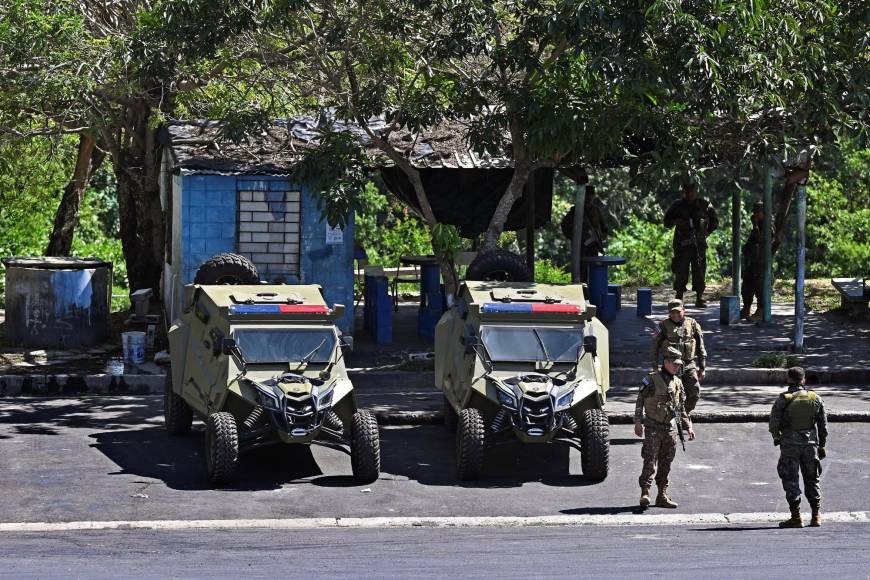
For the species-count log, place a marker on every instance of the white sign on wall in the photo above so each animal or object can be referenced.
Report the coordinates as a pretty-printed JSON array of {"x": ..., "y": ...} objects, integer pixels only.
[{"x": 334, "y": 236}]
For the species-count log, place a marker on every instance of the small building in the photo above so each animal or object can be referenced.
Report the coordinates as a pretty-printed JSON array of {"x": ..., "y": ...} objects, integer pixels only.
[{"x": 240, "y": 198}]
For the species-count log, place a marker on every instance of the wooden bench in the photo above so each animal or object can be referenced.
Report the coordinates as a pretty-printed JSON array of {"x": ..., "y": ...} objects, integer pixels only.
[{"x": 854, "y": 294}]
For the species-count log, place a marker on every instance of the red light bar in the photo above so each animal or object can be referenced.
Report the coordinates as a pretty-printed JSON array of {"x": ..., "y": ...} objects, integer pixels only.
[
  {"x": 278, "y": 309},
  {"x": 304, "y": 309},
  {"x": 557, "y": 308}
]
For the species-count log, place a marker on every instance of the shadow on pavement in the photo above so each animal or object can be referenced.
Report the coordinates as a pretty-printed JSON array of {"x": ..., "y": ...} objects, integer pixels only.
[
  {"x": 427, "y": 454},
  {"x": 604, "y": 511},
  {"x": 179, "y": 463},
  {"x": 635, "y": 441},
  {"x": 44, "y": 417}
]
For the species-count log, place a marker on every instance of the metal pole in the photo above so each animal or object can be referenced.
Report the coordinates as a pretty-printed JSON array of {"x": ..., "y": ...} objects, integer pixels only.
[
  {"x": 530, "y": 223},
  {"x": 579, "y": 202},
  {"x": 800, "y": 269},
  {"x": 735, "y": 243},
  {"x": 767, "y": 286}
]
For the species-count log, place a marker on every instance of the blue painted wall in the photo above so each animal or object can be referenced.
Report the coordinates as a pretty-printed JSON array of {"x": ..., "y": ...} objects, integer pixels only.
[{"x": 209, "y": 223}]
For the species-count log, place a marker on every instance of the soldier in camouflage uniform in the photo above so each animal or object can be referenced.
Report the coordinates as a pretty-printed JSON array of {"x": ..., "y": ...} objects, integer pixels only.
[
  {"x": 693, "y": 219},
  {"x": 800, "y": 427},
  {"x": 753, "y": 261},
  {"x": 684, "y": 333},
  {"x": 660, "y": 392}
]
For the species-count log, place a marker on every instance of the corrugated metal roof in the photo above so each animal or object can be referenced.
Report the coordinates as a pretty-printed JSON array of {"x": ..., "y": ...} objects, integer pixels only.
[{"x": 198, "y": 147}]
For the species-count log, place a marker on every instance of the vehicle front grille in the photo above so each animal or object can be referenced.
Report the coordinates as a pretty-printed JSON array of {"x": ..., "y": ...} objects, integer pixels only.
[{"x": 536, "y": 411}]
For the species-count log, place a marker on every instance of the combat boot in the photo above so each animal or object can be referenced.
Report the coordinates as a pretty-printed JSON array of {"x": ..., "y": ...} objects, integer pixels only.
[
  {"x": 678, "y": 295},
  {"x": 663, "y": 500},
  {"x": 700, "y": 302},
  {"x": 816, "y": 520},
  {"x": 644, "y": 497},
  {"x": 744, "y": 312},
  {"x": 795, "y": 520}
]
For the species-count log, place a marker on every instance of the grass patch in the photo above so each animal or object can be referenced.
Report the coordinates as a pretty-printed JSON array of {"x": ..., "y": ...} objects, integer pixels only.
[{"x": 775, "y": 360}]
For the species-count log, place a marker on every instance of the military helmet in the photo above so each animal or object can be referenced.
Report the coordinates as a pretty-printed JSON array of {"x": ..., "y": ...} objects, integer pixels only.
[{"x": 674, "y": 355}]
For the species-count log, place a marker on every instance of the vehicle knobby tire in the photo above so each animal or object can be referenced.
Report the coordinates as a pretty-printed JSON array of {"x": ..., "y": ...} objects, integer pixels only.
[
  {"x": 177, "y": 414},
  {"x": 365, "y": 447},
  {"x": 451, "y": 419},
  {"x": 227, "y": 269},
  {"x": 470, "y": 444},
  {"x": 499, "y": 265},
  {"x": 221, "y": 447},
  {"x": 595, "y": 444}
]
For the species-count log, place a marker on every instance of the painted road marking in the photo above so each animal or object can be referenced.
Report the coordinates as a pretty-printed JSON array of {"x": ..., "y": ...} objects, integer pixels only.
[{"x": 646, "y": 519}]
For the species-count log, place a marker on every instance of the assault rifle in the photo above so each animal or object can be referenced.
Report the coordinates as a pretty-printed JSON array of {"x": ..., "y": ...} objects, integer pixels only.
[
  {"x": 699, "y": 257},
  {"x": 676, "y": 413}
]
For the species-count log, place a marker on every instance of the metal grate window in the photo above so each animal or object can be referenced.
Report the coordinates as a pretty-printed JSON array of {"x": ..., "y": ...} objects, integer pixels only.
[{"x": 269, "y": 223}]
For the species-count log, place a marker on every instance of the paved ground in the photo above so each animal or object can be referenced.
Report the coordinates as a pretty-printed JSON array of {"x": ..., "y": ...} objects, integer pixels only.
[
  {"x": 421, "y": 395},
  {"x": 108, "y": 458},
  {"x": 837, "y": 551}
]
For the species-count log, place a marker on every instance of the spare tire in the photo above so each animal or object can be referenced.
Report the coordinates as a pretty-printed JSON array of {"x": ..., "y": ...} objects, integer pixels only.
[
  {"x": 499, "y": 265},
  {"x": 227, "y": 269}
]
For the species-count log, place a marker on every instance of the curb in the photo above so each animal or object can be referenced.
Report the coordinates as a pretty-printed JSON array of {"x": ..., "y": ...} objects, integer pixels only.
[{"x": 578, "y": 520}]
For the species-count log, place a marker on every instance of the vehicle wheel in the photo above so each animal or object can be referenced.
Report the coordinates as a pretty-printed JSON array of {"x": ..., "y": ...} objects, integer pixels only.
[
  {"x": 221, "y": 447},
  {"x": 499, "y": 265},
  {"x": 595, "y": 444},
  {"x": 451, "y": 419},
  {"x": 470, "y": 442},
  {"x": 177, "y": 414},
  {"x": 227, "y": 269},
  {"x": 365, "y": 447}
]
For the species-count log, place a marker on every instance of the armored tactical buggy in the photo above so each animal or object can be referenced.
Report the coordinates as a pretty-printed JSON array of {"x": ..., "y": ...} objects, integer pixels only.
[
  {"x": 260, "y": 365},
  {"x": 518, "y": 360}
]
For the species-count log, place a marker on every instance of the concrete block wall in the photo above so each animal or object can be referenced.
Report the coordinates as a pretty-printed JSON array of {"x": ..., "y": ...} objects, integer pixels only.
[{"x": 210, "y": 222}]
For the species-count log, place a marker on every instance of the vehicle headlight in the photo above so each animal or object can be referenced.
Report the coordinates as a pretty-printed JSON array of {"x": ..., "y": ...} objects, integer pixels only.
[
  {"x": 506, "y": 399},
  {"x": 565, "y": 400},
  {"x": 268, "y": 399},
  {"x": 324, "y": 399}
]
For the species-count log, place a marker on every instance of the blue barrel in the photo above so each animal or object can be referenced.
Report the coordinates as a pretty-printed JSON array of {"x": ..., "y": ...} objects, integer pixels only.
[
  {"x": 597, "y": 283},
  {"x": 644, "y": 301},
  {"x": 378, "y": 309},
  {"x": 616, "y": 289},
  {"x": 607, "y": 310},
  {"x": 57, "y": 302}
]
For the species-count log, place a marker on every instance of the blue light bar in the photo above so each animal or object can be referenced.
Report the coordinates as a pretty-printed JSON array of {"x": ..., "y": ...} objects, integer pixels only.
[
  {"x": 255, "y": 309},
  {"x": 509, "y": 307}
]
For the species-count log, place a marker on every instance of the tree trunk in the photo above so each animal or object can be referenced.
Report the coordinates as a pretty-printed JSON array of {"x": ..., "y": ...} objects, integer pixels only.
[
  {"x": 136, "y": 162},
  {"x": 793, "y": 178},
  {"x": 89, "y": 158},
  {"x": 505, "y": 204}
]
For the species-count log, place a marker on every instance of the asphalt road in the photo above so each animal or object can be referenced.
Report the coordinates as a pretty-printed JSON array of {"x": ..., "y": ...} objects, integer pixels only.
[
  {"x": 99, "y": 459},
  {"x": 838, "y": 551}
]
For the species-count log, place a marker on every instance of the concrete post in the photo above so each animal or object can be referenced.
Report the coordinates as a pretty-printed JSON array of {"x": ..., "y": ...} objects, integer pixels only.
[
  {"x": 579, "y": 202},
  {"x": 767, "y": 285},
  {"x": 735, "y": 243},
  {"x": 800, "y": 269}
]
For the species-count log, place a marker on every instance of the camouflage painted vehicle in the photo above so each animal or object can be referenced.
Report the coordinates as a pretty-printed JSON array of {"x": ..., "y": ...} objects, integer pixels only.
[
  {"x": 262, "y": 365},
  {"x": 519, "y": 360}
]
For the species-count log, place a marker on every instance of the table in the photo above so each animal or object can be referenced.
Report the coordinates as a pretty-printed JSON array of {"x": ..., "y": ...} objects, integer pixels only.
[
  {"x": 431, "y": 297},
  {"x": 597, "y": 279}
]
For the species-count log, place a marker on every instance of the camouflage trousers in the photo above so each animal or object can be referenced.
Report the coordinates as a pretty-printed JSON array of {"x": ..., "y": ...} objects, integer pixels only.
[
  {"x": 693, "y": 388},
  {"x": 685, "y": 258},
  {"x": 794, "y": 461},
  {"x": 658, "y": 451}
]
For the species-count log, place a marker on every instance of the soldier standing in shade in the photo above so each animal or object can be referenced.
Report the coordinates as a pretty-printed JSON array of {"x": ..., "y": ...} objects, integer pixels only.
[
  {"x": 661, "y": 394},
  {"x": 686, "y": 335},
  {"x": 753, "y": 261},
  {"x": 693, "y": 219},
  {"x": 595, "y": 230},
  {"x": 800, "y": 427}
]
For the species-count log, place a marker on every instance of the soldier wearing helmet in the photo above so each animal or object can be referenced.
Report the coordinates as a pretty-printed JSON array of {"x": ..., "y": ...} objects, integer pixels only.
[{"x": 660, "y": 395}]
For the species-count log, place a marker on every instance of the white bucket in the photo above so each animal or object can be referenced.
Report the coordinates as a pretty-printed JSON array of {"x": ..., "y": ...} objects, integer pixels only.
[{"x": 134, "y": 346}]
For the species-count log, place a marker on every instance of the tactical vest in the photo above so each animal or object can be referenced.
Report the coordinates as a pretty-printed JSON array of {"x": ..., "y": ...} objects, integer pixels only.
[
  {"x": 659, "y": 407},
  {"x": 682, "y": 337},
  {"x": 800, "y": 410}
]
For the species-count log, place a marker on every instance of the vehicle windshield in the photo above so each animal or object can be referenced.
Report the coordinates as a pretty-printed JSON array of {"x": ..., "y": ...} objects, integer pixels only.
[
  {"x": 265, "y": 345},
  {"x": 521, "y": 343}
]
